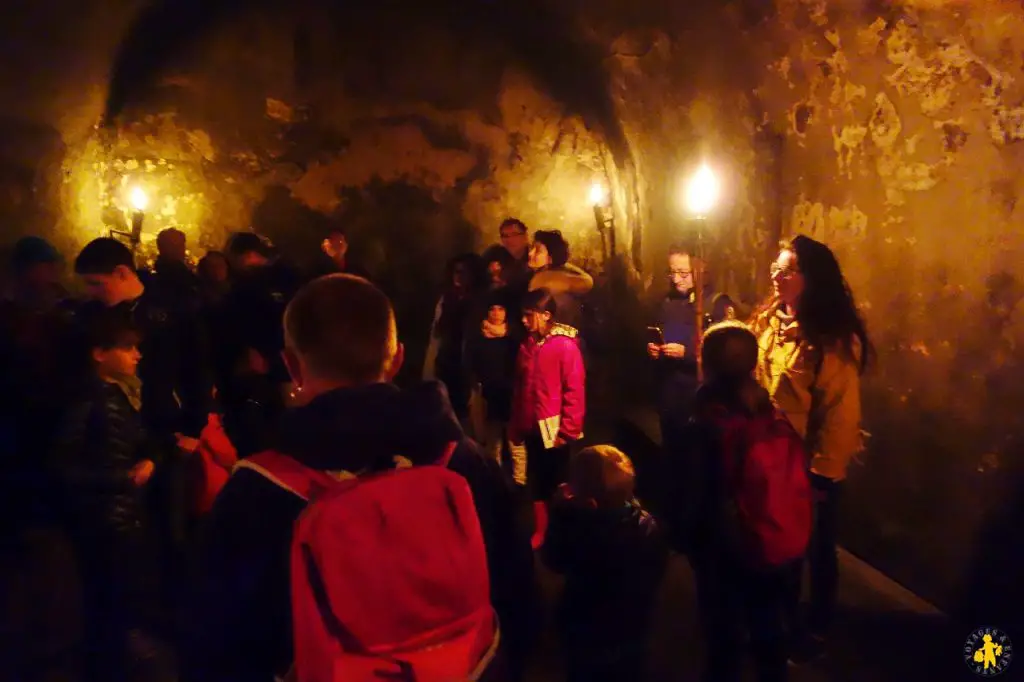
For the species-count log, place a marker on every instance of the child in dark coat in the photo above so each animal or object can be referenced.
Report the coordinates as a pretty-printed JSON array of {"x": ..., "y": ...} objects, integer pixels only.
[
  {"x": 492, "y": 362},
  {"x": 613, "y": 556},
  {"x": 104, "y": 458},
  {"x": 736, "y": 593}
]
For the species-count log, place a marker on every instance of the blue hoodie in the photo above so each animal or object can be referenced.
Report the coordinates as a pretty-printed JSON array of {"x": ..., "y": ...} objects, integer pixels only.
[{"x": 239, "y": 608}]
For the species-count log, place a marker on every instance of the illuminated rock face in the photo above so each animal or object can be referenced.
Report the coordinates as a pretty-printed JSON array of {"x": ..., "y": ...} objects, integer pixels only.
[{"x": 902, "y": 151}]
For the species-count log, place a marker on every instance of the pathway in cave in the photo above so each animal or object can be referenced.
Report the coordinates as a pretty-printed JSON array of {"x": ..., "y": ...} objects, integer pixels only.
[{"x": 883, "y": 632}]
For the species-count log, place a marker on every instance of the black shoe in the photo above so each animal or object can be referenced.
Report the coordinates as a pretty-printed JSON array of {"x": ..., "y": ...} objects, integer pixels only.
[{"x": 806, "y": 650}]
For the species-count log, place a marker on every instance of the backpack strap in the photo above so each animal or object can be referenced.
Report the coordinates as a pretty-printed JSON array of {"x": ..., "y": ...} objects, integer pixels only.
[{"x": 288, "y": 474}]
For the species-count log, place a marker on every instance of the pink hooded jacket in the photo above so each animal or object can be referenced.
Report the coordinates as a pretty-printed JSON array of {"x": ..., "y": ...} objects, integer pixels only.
[{"x": 549, "y": 393}]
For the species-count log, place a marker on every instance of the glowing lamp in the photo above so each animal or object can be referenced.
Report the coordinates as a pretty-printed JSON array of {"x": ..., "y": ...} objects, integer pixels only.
[
  {"x": 702, "y": 192},
  {"x": 598, "y": 195},
  {"x": 138, "y": 199}
]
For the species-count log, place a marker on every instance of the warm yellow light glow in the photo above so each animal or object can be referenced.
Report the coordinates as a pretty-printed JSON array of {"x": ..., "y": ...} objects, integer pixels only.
[
  {"x": 138, "y": 199},
  {"x": 598, "y": 195},
  {"x": 702, "y": 192}
]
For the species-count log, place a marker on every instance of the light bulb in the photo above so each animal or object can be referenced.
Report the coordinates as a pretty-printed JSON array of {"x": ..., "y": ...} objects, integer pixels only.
[
  {"x": 138, "y": 199},
  {"x": 598, "y": 194},
  {"x": 702, "y": 192}
]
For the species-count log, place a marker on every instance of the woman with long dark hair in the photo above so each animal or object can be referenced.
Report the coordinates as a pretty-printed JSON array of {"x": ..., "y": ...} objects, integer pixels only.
[{"x": 814, "y": 347}]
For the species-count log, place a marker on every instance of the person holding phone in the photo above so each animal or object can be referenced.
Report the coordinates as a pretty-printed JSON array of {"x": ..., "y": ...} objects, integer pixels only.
[{"x": 671, "y": 344}]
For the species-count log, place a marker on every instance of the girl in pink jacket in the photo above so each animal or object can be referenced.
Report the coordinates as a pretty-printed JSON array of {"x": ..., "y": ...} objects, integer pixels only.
[{"x": 549, "y": 401}]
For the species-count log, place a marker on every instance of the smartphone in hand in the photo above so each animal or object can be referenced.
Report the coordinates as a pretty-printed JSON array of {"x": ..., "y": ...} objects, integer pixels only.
[{"x": 655, "y": 336}]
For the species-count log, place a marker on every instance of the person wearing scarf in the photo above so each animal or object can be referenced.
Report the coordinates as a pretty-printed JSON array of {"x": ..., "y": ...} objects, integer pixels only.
[{"x": 104, "y": 462}]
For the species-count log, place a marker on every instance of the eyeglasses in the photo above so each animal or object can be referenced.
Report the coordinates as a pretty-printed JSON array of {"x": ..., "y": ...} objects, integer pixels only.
[
  {"x": 778, "y": 271},
  {"x": 510, "y": 235},
  {"x": 680, "y": 273}
]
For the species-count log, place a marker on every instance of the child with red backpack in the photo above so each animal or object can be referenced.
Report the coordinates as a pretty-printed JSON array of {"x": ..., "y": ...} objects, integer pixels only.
[
  {"x": 352, "y": 551},
  {"x": 742, "y": 509}
]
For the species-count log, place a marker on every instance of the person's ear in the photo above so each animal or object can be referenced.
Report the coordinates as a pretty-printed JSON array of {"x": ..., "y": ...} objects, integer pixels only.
[
  {"x": 98, "y": 355},
  {"x": 396, "y": 362},
  {"x": 122, "y": 272}
]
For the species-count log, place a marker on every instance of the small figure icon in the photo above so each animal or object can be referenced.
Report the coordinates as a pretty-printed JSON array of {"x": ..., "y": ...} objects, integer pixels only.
[{"x": 988, "y": 653}]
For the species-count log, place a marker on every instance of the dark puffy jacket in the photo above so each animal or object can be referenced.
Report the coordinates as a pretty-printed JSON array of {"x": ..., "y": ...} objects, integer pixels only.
[
  {"x": 613, "y": 561},
  {"x": 254, "y": 311},
  {"x": 98, "y": 443},
  {"x": 239, "y": 610}
]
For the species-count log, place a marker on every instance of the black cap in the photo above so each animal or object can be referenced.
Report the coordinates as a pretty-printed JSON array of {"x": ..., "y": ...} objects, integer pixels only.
[{"x": 29, "y": 251}]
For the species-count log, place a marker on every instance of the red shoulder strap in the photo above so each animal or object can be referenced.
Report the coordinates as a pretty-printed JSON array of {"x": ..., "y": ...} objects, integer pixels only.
[{"x": 287, "y": 474}]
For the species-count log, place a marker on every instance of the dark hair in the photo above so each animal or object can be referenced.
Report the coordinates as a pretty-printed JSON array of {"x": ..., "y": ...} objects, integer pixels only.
[
  {"x": 102, "y": 256},
  {"x": 554, "y": 242},
  {"x": 342, "y": 325},
  {"x": 729, "y": 351},
  {"x": 108, "y": 328},
  {"x": 204, "y": 263},
  {"x": 540, "y": 300},
  {"x": 473, "y": 266},
  {"x": 497, "y": 254},
  {"x": 30, "y": 251},
  {"x": 161, "y": 238},
  {"x": 678, "y": 249},
  {"x": 336, "y": 230},
  {"x": 513, "y": 222},
  {"x": 827, "y": 312},
  {"x": 241, "y": 243}
]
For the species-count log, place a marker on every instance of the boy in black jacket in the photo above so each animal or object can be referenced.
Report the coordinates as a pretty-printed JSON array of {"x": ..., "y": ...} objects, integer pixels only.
[
  {"x": 239, "y": 608},
  {"x": 103, "y": 458},
  {"x": 613, "y": 557}
]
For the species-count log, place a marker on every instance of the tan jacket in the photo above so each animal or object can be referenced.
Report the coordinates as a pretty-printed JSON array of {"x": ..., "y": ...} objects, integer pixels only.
[{"x": 819, "y": 392}]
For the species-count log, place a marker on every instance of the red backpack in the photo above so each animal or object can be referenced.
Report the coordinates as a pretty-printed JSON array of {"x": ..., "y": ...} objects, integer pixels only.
[
  {"x": 767, "y": 488},
  {"x": 389, "y": 575}
]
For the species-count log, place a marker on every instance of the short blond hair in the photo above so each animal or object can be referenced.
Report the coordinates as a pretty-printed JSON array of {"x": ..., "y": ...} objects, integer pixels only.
[
  {"x": 344, "y": 328},
  {"x": 604, "y": 474}
]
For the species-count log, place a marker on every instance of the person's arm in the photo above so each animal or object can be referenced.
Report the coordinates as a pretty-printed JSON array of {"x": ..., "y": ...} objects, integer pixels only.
[
  {"x": 548, "y": 384},
  {"x": 194, "y": 381},
  {"x": 836, "y": 408},
  {"x": 241, "y": 593},
  {"x": 80, "y": 428},
  {"x": 556, "y": 549},
  {"x": 574, "y": 393},
  {"x": 516, "y": 415}
]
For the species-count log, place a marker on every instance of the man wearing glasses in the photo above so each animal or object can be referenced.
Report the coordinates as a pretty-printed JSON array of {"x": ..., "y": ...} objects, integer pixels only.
[{"x": 672, "y": 343}]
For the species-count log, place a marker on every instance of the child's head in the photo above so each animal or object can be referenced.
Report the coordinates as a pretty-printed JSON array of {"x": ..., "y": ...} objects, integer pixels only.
[
  {"x": 729, "y": 351},
  {"x": 496, "y": 314},
  {"x": 113, "y": 343},
  {"x": 604, "y": 474},
  {"x": 539, "y": 310}
]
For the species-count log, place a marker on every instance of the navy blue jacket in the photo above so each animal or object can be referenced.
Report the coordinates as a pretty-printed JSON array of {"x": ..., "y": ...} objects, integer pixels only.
[
  {"x": 613, "y": 561},
  {"x": 239, "y": 610}
]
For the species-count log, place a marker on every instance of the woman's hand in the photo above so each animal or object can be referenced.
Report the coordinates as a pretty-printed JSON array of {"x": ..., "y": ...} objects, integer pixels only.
[
  {"x": 673, "y": 350},
  {"x": 654, "y": 350}
]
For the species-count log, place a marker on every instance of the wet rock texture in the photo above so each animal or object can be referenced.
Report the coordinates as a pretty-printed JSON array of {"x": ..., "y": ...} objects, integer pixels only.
[
  {"x": 902, "y": 148},
  {"x": 891, "y": 130}
]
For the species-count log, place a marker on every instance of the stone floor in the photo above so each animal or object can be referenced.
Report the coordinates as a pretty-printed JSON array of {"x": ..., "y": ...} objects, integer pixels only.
[
  {"x": 878, "y": 638},
  {"x": 883, "y": 633}
]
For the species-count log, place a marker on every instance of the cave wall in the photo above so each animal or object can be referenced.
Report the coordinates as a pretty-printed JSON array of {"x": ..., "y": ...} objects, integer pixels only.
[{"x": 902, "y": 127}]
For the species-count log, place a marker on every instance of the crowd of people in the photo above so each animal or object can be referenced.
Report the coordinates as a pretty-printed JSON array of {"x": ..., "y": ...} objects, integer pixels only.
[{"x": 249, "y": 496}]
